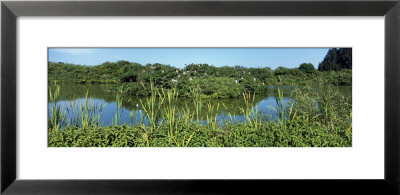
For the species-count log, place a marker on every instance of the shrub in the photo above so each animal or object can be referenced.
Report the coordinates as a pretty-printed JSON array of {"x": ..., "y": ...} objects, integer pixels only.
[{"x": 307, "y": 67}]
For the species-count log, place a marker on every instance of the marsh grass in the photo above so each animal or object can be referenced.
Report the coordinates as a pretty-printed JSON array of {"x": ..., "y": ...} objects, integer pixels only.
[
  {"x": 118, "y": 111},
  {"x": 57, "y": 118},
  {"x": 81, "y": 114},
  {"x": 281, "y": 111},
  {"x": 84, "y": 114},
  {"x": 252, "y": 116},
  {"x": 197, "y": 101},
  {"x": 152, "y": 106},
  {"x": 313, "y": 118},
  {"x": 170, "y": 114}
]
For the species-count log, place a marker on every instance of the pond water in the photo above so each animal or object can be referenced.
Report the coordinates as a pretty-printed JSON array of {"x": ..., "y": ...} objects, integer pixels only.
[{"x": 131, "y": 111}]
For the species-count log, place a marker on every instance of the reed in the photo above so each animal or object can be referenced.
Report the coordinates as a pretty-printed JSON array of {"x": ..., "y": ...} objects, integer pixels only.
[
  {"x": 197, "y": 101},
  {"x": 170, "y": 111},
  {"x": 89, "y": 114},
  {"x": 185, "y": 115},
  {"x": 152, "y": 106},
  {"x": 171, "y": 126},
  {"x": 212, "y": 114},
  {"x": 280, "y": 108},
  {"x": 57, "y": 118},
  {"x": 118, "y": 111},
  {"x": 84, "y": 114},
  {"x": 250, "y": 112}
]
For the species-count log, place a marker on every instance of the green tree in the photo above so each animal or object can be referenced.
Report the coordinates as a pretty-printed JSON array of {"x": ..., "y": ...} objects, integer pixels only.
[
  {"x": 281, "y": 71},
  {"x": 307, "y": 67},
  {"x": 337, "y": 59}
]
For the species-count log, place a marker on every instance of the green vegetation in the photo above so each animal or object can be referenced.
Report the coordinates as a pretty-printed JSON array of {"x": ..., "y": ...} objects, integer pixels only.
[
  {"x": 337, "y": 59},
  {"x": 58, "y": 116},
  {"x": 324, "y": 121},
  {"x": 173, "y": 107},
  {"x": 307, "y": 68},
  {"x": 215, "y": 82}
]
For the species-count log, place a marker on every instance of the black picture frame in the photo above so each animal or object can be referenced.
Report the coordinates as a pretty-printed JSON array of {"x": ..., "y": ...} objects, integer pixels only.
[{"x": 10, "y": 10}]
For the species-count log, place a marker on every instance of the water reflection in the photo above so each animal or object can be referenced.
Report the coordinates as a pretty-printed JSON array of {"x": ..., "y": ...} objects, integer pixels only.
[{"x": 131, "y": 112}]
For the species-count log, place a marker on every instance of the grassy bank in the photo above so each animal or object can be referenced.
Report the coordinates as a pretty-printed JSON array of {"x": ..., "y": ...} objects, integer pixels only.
[{"x": 315, "y": 118}]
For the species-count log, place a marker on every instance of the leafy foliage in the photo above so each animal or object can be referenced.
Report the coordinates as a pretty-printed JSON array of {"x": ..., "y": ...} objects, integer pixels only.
[
  {"x": 307, "y": 67},
  {"x": 337, "y": 59},
  {"x": 216, "y": 82},
  {"x": 305, "y": 122}
]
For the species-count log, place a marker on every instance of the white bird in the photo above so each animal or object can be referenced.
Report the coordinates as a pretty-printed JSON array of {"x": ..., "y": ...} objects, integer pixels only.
[{"x": 137, "y": 105}]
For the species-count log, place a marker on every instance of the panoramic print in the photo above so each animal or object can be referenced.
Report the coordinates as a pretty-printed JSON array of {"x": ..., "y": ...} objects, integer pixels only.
[{"x": 199, "y": 97}]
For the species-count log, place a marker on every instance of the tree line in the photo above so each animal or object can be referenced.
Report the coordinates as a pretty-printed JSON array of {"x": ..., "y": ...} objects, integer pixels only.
[
  {"x": 337, "y": 59},
  {"x": 216, "y": 82}
]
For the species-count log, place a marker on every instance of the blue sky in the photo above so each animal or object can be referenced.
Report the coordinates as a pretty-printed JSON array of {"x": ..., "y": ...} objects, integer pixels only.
[{"x": 178, "y": 57}]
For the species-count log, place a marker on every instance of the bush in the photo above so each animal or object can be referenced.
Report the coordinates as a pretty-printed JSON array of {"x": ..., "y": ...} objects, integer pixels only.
[
  {"x": 218, "y": 87},
  {"x": 281, "y": 71},
  {"x": 307, "y": 67}
]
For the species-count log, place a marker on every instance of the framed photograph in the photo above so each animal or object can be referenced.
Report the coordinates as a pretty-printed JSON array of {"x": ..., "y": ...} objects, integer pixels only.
[{"x": 205, "y": 97}]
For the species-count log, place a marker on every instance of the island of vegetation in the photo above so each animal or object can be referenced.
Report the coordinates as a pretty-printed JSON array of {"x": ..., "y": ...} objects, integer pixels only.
[{"x": 315, "y": 116}]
